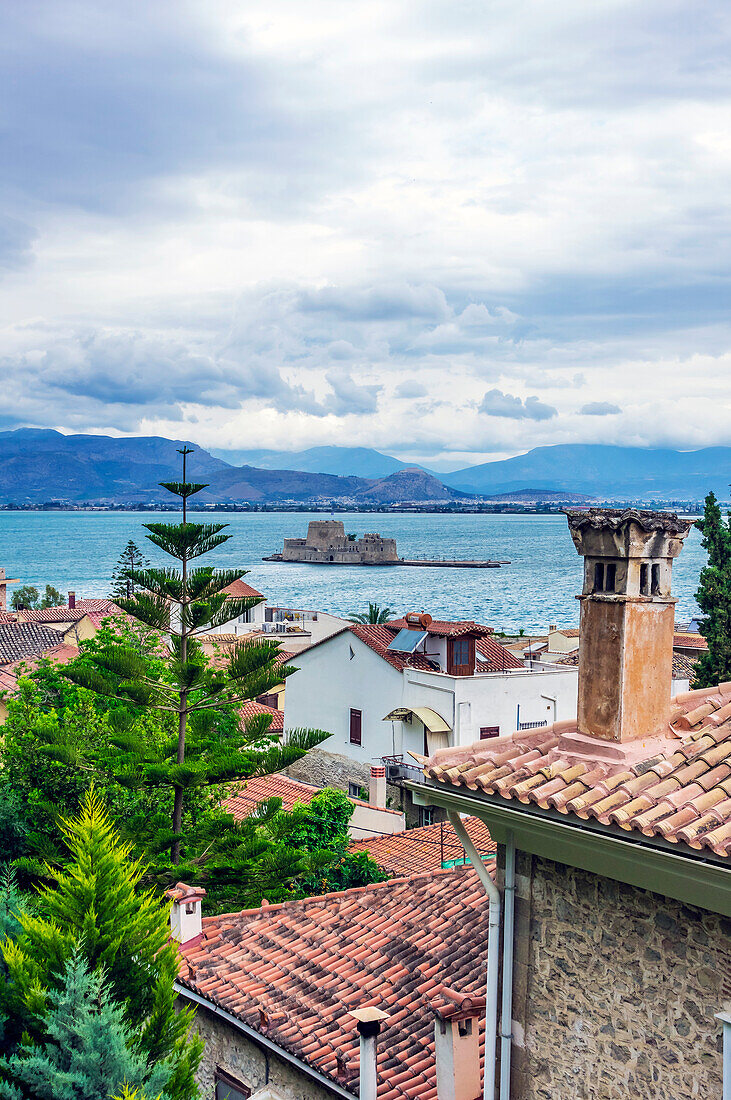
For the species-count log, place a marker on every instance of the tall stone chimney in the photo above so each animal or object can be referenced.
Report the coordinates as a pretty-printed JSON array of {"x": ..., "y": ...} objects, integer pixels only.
[
  {"x": 72, "y": 600},
  {"x": 627, "y": 619}
]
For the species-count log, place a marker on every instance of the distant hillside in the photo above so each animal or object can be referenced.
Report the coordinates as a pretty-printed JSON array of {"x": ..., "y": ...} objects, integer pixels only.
[
  {"x": 621, "y": 473},
  {"x": 342, "y": 461},
  {"x": 409, "y": 484},
  {"x": 39, "y": 465}
]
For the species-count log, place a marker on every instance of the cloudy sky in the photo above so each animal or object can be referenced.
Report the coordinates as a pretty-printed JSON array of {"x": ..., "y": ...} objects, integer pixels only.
[{"x": 448, "y": 229}]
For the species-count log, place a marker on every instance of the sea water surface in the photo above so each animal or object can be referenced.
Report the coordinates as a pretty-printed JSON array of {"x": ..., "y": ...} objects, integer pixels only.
[{"x": 78, "y": 550}]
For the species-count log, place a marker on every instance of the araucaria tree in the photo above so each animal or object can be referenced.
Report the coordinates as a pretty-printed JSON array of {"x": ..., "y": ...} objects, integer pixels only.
[
  {"x": 207, "y": 746},
  {"x": 714, "y": 597},
  {"x": 130, "y": 560}
]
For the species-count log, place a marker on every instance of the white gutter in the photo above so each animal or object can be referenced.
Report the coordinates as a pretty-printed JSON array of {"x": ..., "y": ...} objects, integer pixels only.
[
  {"x": 506, "y": 1013},
  {"x": 725, "y": 1019},
  {"x": 493, "y": 950},
  {"x": 262, "y": 1040}
]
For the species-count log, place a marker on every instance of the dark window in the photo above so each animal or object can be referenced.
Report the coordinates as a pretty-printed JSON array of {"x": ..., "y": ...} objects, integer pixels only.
[
  {"x": 610, "y": 580},
  {"x": 599, "y": 577},
  {"x": 268, "y": 700},
  {"x": 354, "y": 790},
  {"x": 656, "y": 580},
  {"x": 356, "y": 721},
  {"x": 489, "y": 731},
  {"x": 644, "y": 586},
  {"x": 461, "y": 656},
  {"x": 228, "y": 1088},
  {"x": 426, "y": 815}
]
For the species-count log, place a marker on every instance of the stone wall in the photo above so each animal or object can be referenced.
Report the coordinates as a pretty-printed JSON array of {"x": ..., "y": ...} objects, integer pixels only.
[
  {"x": 248, "y": 1062},
  {"x": 331, "y": 769},
  {"x": 615, "y": 990}
]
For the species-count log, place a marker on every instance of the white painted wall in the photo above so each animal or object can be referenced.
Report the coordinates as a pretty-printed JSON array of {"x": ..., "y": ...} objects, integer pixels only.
[{"x": 330, "y": 681}]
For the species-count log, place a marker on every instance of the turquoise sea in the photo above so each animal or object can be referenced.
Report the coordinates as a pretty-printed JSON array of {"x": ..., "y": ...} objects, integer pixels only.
[{"x": 78, "y": 550}]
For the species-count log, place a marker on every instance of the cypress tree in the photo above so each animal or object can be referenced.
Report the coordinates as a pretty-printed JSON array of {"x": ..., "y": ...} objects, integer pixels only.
[
  {"x": 714, "y": 597},
  {"x": 130, "y": 559},
  {"x": 96, "y": 910},
  {"x": 183, "y": 603},
  {"x": 89, "y": 1050}
]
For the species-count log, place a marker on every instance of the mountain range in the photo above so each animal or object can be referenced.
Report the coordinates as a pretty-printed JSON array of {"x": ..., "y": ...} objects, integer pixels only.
[{"x": 39, "y": 465}]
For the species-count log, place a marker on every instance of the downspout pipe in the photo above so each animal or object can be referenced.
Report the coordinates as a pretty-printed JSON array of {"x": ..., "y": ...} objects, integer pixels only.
[
  {"x": 506, "y": 1013},
  {"x": 725, "y": 1019},
  {"x": 493, "y": 951}
]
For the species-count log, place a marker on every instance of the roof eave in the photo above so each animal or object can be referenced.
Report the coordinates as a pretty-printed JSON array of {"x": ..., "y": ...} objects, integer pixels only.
[
  {"x": 695, "y": 878},
  {"x": 263, "y": 1041}
]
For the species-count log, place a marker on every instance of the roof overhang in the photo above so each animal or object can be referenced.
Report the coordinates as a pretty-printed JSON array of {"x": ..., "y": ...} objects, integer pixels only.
[
  {"x": 698, "y": 879},
  {"x": 433, "y": 721}
]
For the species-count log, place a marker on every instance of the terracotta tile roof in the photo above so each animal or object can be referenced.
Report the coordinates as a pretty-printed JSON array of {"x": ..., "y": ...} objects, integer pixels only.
[
  {"x": 53, "y": 615},
  {"x": 294, "y": 971},
  {"x": 8, "y": 617},
  {"x": 426, "y": 849},
  {"x": 107, "y": 606},
  {"x": 279, "y": 786},
  {"x": 689, "y": 641},
  {"x": 61, "y": 654},
  {"x": 497, "y": 657},
  {"x": 676, "y": 786},
  {"x": 251, "y": 708},
  {"x": 239, "y": 589},
  {"x": 19, "y": 640},
  {"x": 444, "y": 629},
  {"x": 567, "y": 632},
  {"x": 683, "y": 667},
  {"x": 378, "y": 639}
]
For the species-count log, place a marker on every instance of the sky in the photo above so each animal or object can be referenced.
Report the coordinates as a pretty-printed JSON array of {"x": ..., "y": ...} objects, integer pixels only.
[{"x": 451, "y": 230}]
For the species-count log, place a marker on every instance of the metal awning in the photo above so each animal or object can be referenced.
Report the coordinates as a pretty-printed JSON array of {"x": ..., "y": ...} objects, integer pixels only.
[{"x": 433, "y": 721}]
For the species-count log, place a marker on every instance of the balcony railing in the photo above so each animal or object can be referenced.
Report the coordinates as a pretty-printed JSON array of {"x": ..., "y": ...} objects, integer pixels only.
[
  {"x": 397, "y": 770},
  {"x": 532, "y": 725}
]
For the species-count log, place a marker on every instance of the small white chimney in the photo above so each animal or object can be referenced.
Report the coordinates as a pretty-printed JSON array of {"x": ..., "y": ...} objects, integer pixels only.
[
  {"x": 369, "y": 1025},
  {"x": 377, "y": 788},
  {"x": 186, "y": 917},
  {"x": 457, "y": 1046}
]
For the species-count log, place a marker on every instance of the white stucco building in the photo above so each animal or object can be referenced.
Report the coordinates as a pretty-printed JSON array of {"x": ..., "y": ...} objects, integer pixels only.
[
  {"x": 299, "y": 628},
  {"x": 449, "y": 684}
]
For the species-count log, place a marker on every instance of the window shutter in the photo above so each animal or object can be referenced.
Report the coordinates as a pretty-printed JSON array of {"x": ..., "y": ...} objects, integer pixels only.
[{"x": 356, "y": 717}]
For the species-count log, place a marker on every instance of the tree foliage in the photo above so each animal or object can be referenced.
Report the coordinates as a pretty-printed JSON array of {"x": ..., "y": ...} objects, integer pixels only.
[
  {"x": 94, "y": 908},
  {"x": 203, "y": 749},
  {"x": 130, "y": 560},
  {"x": 28, "y": 597},
  {"x": 89, "y": 1050},
  {"x": 714, "y": 597},
  {"x": 375, "y": 615}
]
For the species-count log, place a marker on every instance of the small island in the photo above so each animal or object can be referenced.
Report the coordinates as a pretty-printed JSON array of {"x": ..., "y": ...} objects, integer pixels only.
[{"x": 328, "y": 544}]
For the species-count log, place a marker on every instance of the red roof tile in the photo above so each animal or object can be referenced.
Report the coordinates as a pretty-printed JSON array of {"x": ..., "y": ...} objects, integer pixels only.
[
  {"x": 378, "y": 639},
  {"x": 445, "y": 629},
  {"x": 426, "y": 849},
  {"x": 689, "y": 641},
  {"x": 497, "y": 657},
  {"x": 54, "y": 615},
  {"x": 240, "y": 589},
  {"x": 675, "y": 786},
  {"x": 295, "y": 971},
  {"x": 281, "y": 786},
  {"x": 61, "y": 654},
  {"x": 251, "y": 709}
]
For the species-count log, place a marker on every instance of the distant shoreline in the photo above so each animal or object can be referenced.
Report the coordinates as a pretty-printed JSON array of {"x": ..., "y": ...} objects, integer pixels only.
[{"x": 555, "y": 508}]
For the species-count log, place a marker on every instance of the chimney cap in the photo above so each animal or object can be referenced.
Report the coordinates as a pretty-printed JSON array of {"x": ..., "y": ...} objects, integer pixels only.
[
  {"x": 612, "y": 518},
  {"x": 369, "y": 1020},
  {"x": 181, "y": 892},
  {"x": 449, "y": 1004}
]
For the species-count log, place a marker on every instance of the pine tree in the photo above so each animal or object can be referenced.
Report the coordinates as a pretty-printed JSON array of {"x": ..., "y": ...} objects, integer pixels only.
[
  {"x": 51, "y": 598},
  {"x": 95, "y": 909},
  {"x": 182, "y": 603},
  {"x": 130, "y": 560},
  {"x": 89, "y": 1050},
  {"x": 714, "y": 597}
]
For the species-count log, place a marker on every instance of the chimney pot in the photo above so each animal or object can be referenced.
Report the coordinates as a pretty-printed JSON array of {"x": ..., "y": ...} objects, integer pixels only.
[
  {"x": 377, "y": 788},
  {"x": 457, "y": 1045},
  {"x": 369, "y": 1025},
  {"x": 186, "y": 918}
]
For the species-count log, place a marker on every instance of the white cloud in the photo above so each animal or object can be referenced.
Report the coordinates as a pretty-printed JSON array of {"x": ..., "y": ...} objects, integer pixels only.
[{"x": 271, "y": 219}]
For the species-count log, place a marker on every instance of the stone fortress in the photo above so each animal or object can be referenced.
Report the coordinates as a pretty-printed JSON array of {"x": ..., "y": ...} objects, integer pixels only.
[{"x": 327, "y": 542}]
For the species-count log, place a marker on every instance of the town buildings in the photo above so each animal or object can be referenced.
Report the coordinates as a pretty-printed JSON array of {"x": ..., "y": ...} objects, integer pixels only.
[
  {"x": 297, "y": 627},
  {"x": 414, "y": 685},
  {"x": 280, "y": 991},
  {"x": 614, "y": 834}
]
